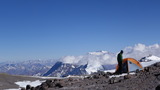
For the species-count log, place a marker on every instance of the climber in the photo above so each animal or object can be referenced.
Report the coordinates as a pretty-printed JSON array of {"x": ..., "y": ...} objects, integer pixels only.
[{"x": 120, "y": 59}]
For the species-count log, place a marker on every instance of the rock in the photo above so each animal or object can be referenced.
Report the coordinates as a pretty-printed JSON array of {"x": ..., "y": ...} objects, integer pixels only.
[
  {"x": 58, "y": 85},
  {"x": 55, "y": 80},
  {"x": 157, "y": 65},
  {"x": 114, "y": 80},
  {"x": 117, "y": 80},
  {"x": 37, "y": 88},
  {"x": 146, "y": 69},
  {"x": 32, "y": 88},
  {"x": 158, "y": 87},
  {"x": 23, "y": 89},
  {"x": 158, "y": 77},
  {"x": 106, "y": 76},
  {"x": 127, "y": 76},
  {"x": 111, "y": 81},
  {"x": 137, "y": 71},
  {"x": 28, "y": 87},
  {"x": 70, "y": 79},
  {"x": 49, "y": 83},
  {"x": 44, "y": 86},
  {"x": 100, "y": 74},
  {"x": 109, "y": 73},
  {"x": 95, "y": 76}
]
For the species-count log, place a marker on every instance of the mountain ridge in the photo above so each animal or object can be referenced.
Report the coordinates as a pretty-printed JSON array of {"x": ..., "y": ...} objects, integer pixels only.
[{"x": 92, "y": 62}]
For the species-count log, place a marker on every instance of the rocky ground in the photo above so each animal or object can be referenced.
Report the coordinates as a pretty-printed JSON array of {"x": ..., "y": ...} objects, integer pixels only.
[{"x": 148, "y": 79}]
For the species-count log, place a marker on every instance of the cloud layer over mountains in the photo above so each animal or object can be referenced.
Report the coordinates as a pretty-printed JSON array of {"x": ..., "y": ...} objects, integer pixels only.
[
  {"x": 141, "y": 50},
  {"x": 95, "y": 60}
]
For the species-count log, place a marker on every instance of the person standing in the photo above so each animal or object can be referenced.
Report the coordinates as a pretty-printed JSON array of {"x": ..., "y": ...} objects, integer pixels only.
[{"x": 120, "y": 59}]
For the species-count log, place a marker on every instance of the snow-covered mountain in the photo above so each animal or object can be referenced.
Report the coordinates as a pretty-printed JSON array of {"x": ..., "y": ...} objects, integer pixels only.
[
  {"x": 149, "y": 60},
  {"x": 64, "y": 69},
  {"x": 95, "y": 61},
  {"x": 83, "y": 64}
]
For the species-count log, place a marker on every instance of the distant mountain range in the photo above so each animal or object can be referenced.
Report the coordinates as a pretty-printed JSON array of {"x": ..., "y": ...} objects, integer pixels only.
[
  {"x": 63, "y": 69},
  {"x": 31, "y": 67},
  {"x": 69, "y": 65}
]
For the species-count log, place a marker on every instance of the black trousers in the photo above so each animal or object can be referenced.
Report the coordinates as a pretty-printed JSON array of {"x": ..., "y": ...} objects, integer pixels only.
[{"x": 120, "y": 67}]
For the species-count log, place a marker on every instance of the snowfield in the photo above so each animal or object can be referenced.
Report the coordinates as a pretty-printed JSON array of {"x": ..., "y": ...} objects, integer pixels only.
[{"x": 23, "y": 84}]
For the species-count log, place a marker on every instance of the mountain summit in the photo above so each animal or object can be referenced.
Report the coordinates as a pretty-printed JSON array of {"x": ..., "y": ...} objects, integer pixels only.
[
  {"x": 150, "y": 58},
  {"x": 64, "y": 69}
]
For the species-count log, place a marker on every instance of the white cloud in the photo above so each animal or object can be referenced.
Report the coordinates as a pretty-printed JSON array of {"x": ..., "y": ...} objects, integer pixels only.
[
  {"x": 71, "y": 59},
  {"x": 139, "y": 47},
  {"x": 140, "y": 50},
  {"x": 96, "y": 59},
  {"x": 101, "y": 57}
]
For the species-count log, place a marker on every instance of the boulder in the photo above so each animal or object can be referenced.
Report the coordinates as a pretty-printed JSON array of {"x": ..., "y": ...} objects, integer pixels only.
[
  {"x": 23, "y": 89},
  {"x": 127, "y": 76},
  {"x": 158, "y": 87},
  {"x": 49, "y": 83},
  {"x": 59, "y": 85},
  {"x": 32, "y": 88},
  {"x": 28, "y": 87}
]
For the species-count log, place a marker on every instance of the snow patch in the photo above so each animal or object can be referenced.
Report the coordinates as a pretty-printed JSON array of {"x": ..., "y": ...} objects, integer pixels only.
[
  {"x": 120, "y": 75},
  {"x": 71, "y": 76},
  {"x": 13, "y": 89},
  {"x": 23, "y": 84},
  {"x": 73, "y": 66},
  {"x": 112, "y": 70},
  {"x": 146, "y": 64},
  {"x": 31, "y": 83},
  {"x": 47, "y": 77},
  {"x": 153, "y": 58}
]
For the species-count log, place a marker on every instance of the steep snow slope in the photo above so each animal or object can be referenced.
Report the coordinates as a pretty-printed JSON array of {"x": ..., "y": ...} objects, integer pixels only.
[
  {"x": 64, "y": 69},
  {"x": 94, "y": 60},
  {"x": 149, "y": 60}
]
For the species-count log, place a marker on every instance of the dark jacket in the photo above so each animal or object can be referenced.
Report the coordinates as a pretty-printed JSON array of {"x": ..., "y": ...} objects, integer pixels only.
[{"x": 120, "y": 58}]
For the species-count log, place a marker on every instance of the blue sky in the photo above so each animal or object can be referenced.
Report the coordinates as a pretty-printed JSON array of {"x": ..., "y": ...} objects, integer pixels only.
[{"x": 46, "y": 29}]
